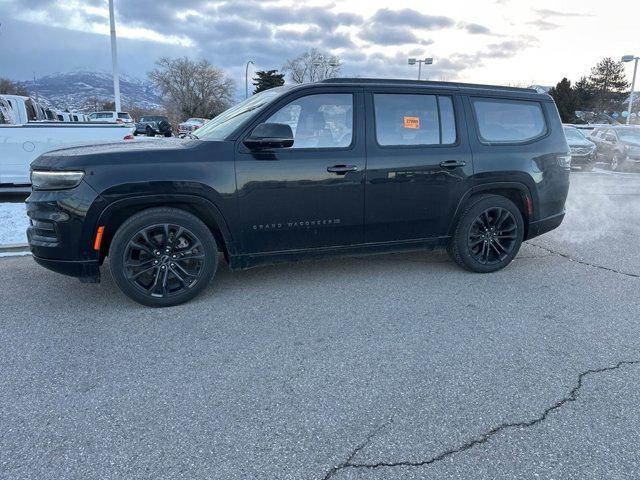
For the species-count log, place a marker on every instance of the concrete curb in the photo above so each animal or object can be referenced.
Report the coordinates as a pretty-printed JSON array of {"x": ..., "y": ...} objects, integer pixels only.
[{"x": 14, "y": 248}]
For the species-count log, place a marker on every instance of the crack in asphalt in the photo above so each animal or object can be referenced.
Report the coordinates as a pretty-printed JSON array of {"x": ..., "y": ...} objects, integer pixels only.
[
  {"x": 583, "y": 262},
  {"x": 347, "y": 463},
  {"x": 483, "y": 438}
]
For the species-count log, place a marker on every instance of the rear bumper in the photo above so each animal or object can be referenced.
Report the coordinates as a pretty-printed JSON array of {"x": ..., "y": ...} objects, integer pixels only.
[{"x": 545, "y": 225}]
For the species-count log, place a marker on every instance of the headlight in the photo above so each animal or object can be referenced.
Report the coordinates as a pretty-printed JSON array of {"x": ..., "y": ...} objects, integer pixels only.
[{"x": 47, "y": 180}]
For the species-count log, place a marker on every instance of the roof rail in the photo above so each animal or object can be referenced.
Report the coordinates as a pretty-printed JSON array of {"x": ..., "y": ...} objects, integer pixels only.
[{"x": 397, "y": 81}]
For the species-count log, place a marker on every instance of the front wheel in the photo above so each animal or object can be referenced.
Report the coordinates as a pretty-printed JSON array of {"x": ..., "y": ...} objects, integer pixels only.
[
  {"x": 617, "y": 162},
  {"x": 488, "y": 234},
  {"x": 163, "y": 257}
]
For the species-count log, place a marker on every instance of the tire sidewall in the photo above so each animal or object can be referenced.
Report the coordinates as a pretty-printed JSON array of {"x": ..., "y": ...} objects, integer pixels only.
[
  {"x": 159, "y": 216},
  {"x": 460, "y": 247}
]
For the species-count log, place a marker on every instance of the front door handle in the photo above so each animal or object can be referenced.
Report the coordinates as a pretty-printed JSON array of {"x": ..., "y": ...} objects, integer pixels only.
[
  {"x": 342, "y": 169},
  {"x": 453, "y": 164}
]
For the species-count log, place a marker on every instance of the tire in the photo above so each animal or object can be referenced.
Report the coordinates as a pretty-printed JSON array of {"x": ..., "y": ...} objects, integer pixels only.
[
  {"x": 618, "y": 162},
  {"x": 176, "y": 253},
  {"x": 168, "y": 134},
  {"x": 150, "y": 132},
  {"x": 484, "y": 251}
]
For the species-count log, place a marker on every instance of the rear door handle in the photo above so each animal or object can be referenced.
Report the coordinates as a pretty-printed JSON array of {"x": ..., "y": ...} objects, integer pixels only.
[
  {"x": 453, "y": 164},
  {"x": 342, "y": 169}
]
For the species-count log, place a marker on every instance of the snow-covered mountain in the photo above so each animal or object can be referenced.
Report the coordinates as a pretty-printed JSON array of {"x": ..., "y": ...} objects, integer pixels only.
[{"x": 88, "y": 90}]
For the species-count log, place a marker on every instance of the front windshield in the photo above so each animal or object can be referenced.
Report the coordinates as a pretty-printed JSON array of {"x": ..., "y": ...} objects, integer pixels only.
[
  {"x": 630, "y": 135},
  {"x": 225, "y": 123},
  {"x": 573, "y": 134}
]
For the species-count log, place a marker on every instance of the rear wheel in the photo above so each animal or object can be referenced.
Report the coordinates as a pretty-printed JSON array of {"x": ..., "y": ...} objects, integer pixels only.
[
  {"x": 163, "y": 257},
  {"x": 488, "y": 234}
]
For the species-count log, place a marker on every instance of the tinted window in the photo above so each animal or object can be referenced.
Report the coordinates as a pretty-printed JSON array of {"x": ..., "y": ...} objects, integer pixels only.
[
  {"x": 414, "y": 119},
  {"x": 509, "y": 121},
  {"x": 447, "y": 120},
  {"x": 629, "y": 135},
  {"x": 318, "y": 121},
  {"x": 31, "y": 110},
  {"x": 124, "y": 116},
  {"x": 573, "y": 134},
  {"x": 229, "y": 120}
]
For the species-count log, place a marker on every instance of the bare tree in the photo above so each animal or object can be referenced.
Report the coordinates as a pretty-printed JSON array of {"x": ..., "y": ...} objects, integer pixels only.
[
  {"x": 312, "y": 66},
  {"x": 193, "y": 88},
  {"x": 11, "y": 88}
]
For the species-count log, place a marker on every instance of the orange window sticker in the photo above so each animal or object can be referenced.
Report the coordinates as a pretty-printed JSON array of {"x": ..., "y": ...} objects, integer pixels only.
[{"x": 412, "y": 122}]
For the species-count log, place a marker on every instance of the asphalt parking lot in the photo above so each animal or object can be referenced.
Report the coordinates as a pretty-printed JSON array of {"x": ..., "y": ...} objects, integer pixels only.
[{"x": 391, "y": 367}]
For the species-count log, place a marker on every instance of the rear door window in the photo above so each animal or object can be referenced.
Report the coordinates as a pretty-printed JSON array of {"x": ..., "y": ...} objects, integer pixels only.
[
  {"x": 508, "y": 121},
  {"x": 414, "y": 119}
]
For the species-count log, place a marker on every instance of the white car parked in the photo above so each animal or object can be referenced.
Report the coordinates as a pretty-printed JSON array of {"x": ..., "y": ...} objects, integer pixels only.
[
  {"x": 191, "y": 125},
  {"x": 6, "y": 113},
  {"x": 112, "y": 117},
  {"x": 23, "y": 142}
]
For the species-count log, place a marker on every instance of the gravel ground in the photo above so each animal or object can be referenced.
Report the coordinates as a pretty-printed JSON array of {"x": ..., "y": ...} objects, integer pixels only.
[{"x": 389, "y": 367}]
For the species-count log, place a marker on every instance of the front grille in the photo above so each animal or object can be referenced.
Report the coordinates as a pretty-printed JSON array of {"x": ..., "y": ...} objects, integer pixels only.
[{"x": 581, "y": 151}]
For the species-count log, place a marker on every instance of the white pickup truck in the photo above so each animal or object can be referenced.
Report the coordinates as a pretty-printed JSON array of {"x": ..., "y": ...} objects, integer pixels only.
[{"x": 30, "y": 136}]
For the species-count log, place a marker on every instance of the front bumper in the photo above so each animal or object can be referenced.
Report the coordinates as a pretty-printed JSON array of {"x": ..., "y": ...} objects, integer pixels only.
[
  {"x": 580, "y": 160},
  {"x": 86, "y": 270},
  {"x": 61, "y": 230}
]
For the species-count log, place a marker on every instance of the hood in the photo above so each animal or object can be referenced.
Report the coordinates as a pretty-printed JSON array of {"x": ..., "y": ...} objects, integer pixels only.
[
  {"x": 580, "y": 143},
  {"x": 111, "y": 153}
]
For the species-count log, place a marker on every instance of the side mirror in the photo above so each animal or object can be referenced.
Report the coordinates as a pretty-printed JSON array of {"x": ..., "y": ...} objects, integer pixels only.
[{"x": 270, "y": 135}]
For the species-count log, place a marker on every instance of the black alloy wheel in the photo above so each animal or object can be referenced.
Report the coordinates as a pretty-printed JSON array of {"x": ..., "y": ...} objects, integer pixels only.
[
  {"x": 488, "y": 234},
  {"x": 164, "y": 260},
  {"x": 492, "y": 236},
  {"x": 163, "y": 256}
]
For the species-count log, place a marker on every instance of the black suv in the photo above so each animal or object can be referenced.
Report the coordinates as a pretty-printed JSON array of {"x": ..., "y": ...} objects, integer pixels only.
[
  {"x": 339, "y": 167},
  {"x": 617, "y": 146},
  {"x": 152, "y": 125}
]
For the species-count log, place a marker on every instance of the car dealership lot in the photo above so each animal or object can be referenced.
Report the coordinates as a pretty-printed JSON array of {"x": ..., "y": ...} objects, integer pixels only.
[{"x": 390, "y": 367}]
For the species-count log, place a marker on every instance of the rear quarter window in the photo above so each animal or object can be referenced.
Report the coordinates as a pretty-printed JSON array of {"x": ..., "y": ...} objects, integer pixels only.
[{"x": 508, "y": 121}]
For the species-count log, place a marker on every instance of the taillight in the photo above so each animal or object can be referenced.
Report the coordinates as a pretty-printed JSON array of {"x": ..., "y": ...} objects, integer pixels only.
[
  {"x": 564, "y": 161},
  {"x": 196, "y": 127}
]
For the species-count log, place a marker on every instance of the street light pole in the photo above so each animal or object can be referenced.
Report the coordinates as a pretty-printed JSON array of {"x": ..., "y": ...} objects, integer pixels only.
[
  {"x": 426, "y": 61},
  {"x": 246, "y": 79},
  {"x": 629, "y": 58},
  {"x": 114, "y": 58}
]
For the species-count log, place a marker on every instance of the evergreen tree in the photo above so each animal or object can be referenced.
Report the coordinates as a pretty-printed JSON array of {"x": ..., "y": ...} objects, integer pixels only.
[
  {"x": 608, "y": 82},
  {"x": 584, "y": 93},
  {"x": 566, "y": 100},
  {"x": 267, "y": 79}
]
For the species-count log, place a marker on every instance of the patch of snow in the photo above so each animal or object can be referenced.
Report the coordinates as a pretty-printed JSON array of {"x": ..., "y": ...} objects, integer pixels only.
[{"x": 13, "y": 223}]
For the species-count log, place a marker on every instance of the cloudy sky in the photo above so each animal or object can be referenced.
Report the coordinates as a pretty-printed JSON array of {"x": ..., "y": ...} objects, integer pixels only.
[{"x": 493, "y": 41}]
